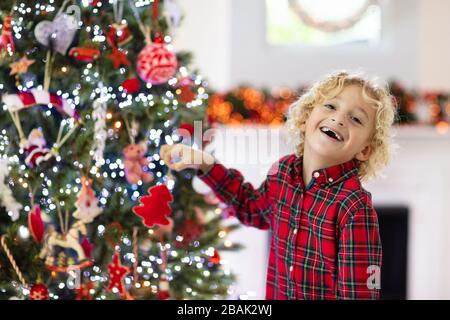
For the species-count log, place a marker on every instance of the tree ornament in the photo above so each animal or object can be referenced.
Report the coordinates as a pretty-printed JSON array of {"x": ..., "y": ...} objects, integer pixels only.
[
  {"x": 99, "y": 108},
  {"x": 7, "y": 199},
  {"x": 87, "y": 202},
  {"x": 117, "y": 273},
  {"x": 84, "y": 291},
  {"x": 39, "y": 292},
  {"x": 57, "y": 34},
  {"x": 155, "y": 207},
  {"x": 131, "y": 85},
  {"x": 84, "y": 54},
  {"x": 63, "y": 251},
  {"x": 33, "y": 97},
  {"x": 118, "y": 34},
  {"x": 36, "y": 150},
  {"x": 156, "y": 64},
  {"x": 118, "y": 58},
  {"x": 135, "y": 163},
  {"x": 20, "y": 66},
  {"x": 6, "y": 38},
  {"x": 164, "y": 288},
  {"x": 35, "y": 223}
]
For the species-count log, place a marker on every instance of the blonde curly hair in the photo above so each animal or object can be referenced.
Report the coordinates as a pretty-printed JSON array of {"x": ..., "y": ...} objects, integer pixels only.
[{"x": 329, "y": 87}]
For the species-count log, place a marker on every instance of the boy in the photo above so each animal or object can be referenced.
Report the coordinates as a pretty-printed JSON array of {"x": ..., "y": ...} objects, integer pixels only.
[{"x": 325, "y": 242}]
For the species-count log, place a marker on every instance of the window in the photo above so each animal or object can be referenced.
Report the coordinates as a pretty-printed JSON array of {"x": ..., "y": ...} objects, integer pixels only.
[{"x": 322, "y": 22}]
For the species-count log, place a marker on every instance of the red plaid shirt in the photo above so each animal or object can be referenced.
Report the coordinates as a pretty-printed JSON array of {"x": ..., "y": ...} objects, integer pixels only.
[{"x": 324, "y": 237}]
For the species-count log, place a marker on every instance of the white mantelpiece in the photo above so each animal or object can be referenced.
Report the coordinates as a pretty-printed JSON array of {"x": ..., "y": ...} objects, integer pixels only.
[{"x": 418, "y": 177}]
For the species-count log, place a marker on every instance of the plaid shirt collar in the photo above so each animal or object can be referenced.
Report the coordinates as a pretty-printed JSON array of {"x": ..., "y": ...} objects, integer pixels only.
[{"x": 326, "y": 177}]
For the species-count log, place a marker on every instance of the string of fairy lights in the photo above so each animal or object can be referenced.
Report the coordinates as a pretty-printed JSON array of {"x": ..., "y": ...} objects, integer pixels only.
[{"x": 110, "y": 168}]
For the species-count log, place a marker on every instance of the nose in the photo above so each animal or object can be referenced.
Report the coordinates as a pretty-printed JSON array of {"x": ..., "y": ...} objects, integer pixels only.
[{"x": 339, "y": 121}]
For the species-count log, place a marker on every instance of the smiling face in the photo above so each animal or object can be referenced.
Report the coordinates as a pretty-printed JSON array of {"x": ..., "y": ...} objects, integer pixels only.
[{"x": 341, "y": 128}]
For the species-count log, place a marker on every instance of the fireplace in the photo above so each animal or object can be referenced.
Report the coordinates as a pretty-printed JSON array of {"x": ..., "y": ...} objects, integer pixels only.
[{"x": 393, "y": 221}]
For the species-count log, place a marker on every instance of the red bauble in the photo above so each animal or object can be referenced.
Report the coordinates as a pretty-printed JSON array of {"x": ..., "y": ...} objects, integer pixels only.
[
  {"x": 39, "y": 292},
  {"x": 131, "y": 85},
  {"x": 155, "y": 64}
]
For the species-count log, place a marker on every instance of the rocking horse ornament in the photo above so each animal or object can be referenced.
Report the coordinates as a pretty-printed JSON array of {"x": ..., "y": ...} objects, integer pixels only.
[{"x": 71, "y": 248}]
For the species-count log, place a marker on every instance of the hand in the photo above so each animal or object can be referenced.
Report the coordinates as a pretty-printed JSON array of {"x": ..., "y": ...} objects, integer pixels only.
[{"x": 179, "y": 157}]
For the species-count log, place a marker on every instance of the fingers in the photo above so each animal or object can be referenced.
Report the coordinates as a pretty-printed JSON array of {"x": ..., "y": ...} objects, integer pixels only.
[{"x": 172, "y": 156}]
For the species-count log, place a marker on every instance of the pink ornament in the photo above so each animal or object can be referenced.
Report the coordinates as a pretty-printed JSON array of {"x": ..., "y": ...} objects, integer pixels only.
[
  {"x": 135, "y": 161},
  {"x": 156, "y": 64}
]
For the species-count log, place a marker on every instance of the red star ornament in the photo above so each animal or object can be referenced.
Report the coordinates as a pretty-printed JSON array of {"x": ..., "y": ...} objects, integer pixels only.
[
  {"x": 117, "y": 273},
  {"x": 155, "y": 207},
  {"x": 84, "y": 291},
  {"x": 118, "y": 58}
]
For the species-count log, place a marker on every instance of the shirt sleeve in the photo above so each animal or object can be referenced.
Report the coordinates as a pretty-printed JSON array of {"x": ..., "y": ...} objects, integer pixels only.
[
  {"x": 359, "y": 257},
  {"x": 251, "y": 206}
]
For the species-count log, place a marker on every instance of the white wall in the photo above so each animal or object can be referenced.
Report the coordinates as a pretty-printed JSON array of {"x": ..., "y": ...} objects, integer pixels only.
[
  {"x": 206, "y": 32},
  {"x": 227, "y": 38},
  {"x": 254, "y": 61},
  {"x": 434, "y": 44}
]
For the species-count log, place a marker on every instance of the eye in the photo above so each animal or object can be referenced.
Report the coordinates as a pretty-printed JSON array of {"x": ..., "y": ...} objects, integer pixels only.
[
  {"x": 356, "y": 120},
  {"x": 329, "y": 106}
]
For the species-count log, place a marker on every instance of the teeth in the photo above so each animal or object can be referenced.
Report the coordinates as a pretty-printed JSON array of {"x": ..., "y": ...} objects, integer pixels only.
[{"x": 326, "y": 129}]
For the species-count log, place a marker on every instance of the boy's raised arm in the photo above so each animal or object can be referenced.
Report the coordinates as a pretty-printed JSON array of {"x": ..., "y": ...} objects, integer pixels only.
[{"x": 251, "y": 206}]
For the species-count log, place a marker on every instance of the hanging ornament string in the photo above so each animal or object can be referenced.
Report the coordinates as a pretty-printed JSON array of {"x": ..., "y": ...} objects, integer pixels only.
[
  {"x": 146, "y": 30},
  {"x": 155, "y": 14},
  {"x": 16, "y": 120},
  {"x": 62, "y": 223},
  {"x": 132, "y": 130},
  {"x": 13, "y": 261},
  {"x": 118, "y": 10},
  {"x": 60, "y": 141}
]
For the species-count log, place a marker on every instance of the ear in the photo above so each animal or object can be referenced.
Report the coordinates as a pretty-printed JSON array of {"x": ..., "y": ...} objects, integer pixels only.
[{"x": 365, "y": 153}]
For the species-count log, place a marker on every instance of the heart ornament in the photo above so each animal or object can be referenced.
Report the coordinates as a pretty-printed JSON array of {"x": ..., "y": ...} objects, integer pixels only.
[{"x": 59, "y": 33}]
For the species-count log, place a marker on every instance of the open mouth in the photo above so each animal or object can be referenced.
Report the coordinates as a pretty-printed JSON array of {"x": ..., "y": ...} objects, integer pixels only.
[{"x": 331, "y": 133}]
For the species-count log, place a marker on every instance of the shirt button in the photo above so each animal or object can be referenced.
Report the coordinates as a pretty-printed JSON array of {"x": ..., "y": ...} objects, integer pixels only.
[
  {"x": 316, "y": 174},
  {"x": 295, "y": 231},
  {"x": 330, "y": 179},
  {"x": 291, "y": 268}
]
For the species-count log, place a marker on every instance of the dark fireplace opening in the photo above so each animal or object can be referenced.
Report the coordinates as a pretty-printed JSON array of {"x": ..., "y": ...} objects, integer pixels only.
[{"x": 393, "y": 221}]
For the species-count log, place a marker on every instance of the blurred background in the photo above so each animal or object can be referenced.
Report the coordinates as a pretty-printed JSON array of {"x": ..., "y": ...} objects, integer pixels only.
[{"x": 258, "y": 55}]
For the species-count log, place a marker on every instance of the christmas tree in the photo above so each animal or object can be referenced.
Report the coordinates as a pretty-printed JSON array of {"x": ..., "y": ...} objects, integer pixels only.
[{"x": 90, "y": 90}]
